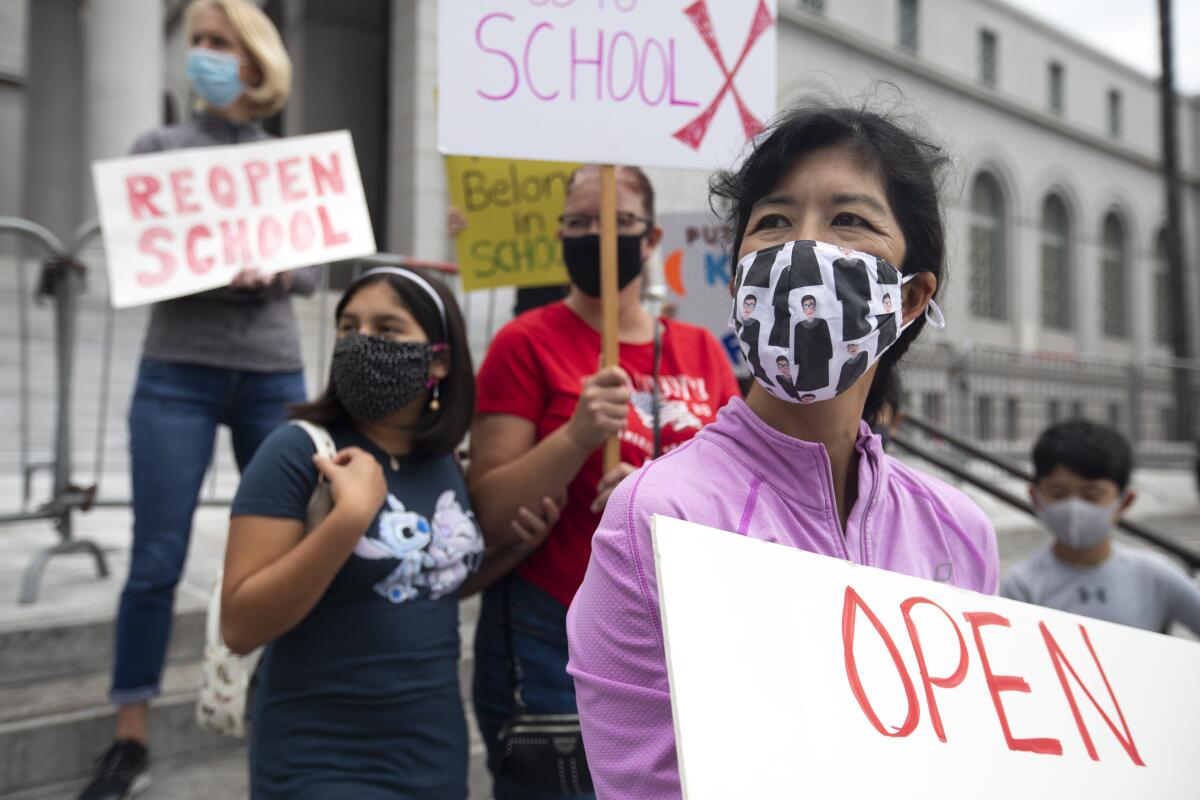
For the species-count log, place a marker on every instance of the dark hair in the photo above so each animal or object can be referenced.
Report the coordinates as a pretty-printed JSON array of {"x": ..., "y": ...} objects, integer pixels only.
[
  {"x": 436, "y": 432},
  {"x": 806, "y": 298},
  {"x": 892, "y": 397},
  {"x": 909, "y": 164},
  {"x": 640, "y": 182},
  {"x": 1091, "y": 451}
]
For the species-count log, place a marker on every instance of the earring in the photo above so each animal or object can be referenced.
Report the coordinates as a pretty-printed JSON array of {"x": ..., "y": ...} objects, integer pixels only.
[{"x": 435, "y": 404}]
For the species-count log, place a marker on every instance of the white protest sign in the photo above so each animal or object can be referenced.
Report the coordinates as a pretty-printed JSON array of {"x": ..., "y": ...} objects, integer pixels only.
[
  {"x": 696, "y": 269},
  {"x": 185, "y": 221},
  {"x": 669, "y": 83},
  {"x": 797, "y": 675}
]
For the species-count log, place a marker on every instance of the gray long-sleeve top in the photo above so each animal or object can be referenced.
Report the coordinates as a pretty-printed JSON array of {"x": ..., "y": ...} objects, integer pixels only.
[{"x": 246, "y": 329}]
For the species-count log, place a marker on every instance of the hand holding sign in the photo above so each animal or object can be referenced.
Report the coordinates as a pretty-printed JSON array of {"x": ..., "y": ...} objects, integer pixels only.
[{"x": 608, "y": 82}]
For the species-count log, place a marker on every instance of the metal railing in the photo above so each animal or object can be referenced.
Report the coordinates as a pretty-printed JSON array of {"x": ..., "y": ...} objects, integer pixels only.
[
  {"x": 963, "y": 451},
  {"x": 61, "y": 278},
  {"x": 1004, "y": 396}
]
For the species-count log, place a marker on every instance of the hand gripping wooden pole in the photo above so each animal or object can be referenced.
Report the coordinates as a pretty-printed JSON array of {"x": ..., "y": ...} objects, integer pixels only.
[{"x": 609, "y": 343}]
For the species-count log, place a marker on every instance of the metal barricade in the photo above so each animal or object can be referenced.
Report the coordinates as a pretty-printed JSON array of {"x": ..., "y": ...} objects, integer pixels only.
[{"x": 62, "y": 276}]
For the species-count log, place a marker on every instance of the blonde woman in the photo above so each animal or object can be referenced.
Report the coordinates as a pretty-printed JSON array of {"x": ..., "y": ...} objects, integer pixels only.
[{"x": 229, "y": 356}]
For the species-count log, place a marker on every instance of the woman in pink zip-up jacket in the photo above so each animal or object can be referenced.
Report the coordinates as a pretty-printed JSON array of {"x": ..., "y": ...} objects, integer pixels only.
[{"x": 821, "y": 209}]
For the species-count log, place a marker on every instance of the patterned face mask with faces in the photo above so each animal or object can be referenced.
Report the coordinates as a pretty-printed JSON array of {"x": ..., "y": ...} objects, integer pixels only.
[{"x": 813, "y": 317}]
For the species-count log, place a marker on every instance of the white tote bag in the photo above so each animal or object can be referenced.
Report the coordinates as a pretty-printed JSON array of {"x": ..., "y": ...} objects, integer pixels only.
[{"x": 225, "y": 682}]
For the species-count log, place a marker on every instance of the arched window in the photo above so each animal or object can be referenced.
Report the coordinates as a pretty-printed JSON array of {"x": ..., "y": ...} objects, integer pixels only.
[
  {"x": 1056, "y": 264},
  {"x": 1164, "y": 312},
  {"x": 989, "y": 284},
  {"x": 1114, "y": 276}
]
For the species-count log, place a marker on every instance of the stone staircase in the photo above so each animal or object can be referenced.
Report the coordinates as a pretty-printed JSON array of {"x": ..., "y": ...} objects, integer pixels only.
[{"x": 54, "y": 718}]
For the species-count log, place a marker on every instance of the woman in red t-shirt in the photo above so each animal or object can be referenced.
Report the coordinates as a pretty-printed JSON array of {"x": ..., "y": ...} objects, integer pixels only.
[{"x": 543, "y": 413}]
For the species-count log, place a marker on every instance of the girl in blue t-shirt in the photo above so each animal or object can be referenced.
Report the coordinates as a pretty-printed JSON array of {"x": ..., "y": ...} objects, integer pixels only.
[{"x": 358, "y": 692}]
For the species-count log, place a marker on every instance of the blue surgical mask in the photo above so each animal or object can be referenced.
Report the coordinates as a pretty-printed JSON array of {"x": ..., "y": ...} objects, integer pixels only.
[{"x": 215, "y": 76}]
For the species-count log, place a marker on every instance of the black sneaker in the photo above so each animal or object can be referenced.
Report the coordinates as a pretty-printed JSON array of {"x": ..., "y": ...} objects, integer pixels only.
[{"x": 122, "y": 772}]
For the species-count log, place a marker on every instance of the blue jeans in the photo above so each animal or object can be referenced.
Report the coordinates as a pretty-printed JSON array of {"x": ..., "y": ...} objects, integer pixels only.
[
  {"x": 539, "y": 625},
  {"x": 172, "y": 429}
]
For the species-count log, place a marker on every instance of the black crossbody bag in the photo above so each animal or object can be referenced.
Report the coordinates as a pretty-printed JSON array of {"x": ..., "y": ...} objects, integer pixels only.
[
  {"x": 544, "y": 752},
  {"x": 539, "y": 752}
]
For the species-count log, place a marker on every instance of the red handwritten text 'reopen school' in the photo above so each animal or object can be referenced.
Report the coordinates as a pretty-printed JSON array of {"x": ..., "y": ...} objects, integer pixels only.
[{"x": 249, "y": 236}]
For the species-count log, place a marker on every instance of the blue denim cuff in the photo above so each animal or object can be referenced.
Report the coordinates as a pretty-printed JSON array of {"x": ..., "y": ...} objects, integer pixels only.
[{"x": 129, "y": 697}]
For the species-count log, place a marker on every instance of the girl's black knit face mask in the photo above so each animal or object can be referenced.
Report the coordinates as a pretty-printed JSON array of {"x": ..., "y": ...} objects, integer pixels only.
[{"x": 375, "y": 377}]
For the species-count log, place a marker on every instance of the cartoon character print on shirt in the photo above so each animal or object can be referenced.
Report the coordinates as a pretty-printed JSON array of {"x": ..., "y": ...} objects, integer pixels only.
[
  {"x": 438, "y": 555},
  {"x": 456, "y": 548},
  {"x": 672, "y": 413}
]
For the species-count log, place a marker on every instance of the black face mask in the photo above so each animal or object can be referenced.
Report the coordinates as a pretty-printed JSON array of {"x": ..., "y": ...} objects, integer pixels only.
[
  {"x": 582, "y": 257},
  {"x": 375, "y": 377}
]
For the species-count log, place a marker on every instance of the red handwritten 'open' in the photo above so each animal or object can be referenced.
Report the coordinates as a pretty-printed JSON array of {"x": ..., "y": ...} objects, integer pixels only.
[{"x": 693, "y": 133}]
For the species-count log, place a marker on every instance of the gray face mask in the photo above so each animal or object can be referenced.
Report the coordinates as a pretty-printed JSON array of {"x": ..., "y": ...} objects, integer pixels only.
[
  {"x": 1077, "y": 523},
  {"x": 375, "y": 377}
]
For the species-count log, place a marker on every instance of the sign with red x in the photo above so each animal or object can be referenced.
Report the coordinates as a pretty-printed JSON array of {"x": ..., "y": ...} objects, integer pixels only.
[{"x": 670, "y": 83}]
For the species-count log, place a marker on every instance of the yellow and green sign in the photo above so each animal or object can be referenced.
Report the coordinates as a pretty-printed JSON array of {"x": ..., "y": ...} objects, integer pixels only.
[{"x": 511, "y": 210}]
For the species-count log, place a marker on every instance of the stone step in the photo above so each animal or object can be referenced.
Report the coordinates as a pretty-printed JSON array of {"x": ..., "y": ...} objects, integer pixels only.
[
  {"x": 50, "y": 697},
  {"x": 61, "y": 747},
  {"x": 209, "y": 776},
  {"x": 55, "y": 720},
  {"x": 33, "y": 653},
  {"x": 222, "y": 776}
]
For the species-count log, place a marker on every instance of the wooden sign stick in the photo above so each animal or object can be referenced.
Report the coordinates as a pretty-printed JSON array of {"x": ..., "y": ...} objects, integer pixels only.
[{"x": 609, "y": 342}]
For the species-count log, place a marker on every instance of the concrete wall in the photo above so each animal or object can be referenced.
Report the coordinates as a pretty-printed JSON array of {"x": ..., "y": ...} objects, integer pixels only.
[
  {"x": 13, "y": 14},
  {"x": 417, "y": 196},
  {"x": 948, "y": 39}
]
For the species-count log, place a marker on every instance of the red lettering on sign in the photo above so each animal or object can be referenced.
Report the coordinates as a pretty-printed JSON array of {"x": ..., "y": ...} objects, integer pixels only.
[
  {"x": 289, "y": 179},
  {"x": 1006, "y": 683},
  {"x": 166, "y": 262},
  {"x": 197, "y": 264},
  {"x": 1058, "y": 658},
  {"x": 949, "y": 682},
  {"x": 270, "y": 237},
  {"x": 693, "y": 133},
  {"x": 328, "y": 234},
  {"x": 181, "y": 187},
  {"x": 256, "y": 173},
  {"x": 850, "y": 607},
  {"x": 220, "y": 186},
  {"x": 327, "y": 178},
  {"x": 236, "y": 243},
  {"x": 301, "y": 231},
  {"x": 140, "y": 189}
]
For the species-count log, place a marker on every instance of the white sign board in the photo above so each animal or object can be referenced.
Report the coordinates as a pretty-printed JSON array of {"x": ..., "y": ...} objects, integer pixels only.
[
  {"x": 696, "y": 269},
  {"x": 186, "y": 221},
  {"x": 797, "y": 675},
  {"x": 667, "y": 83}
]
